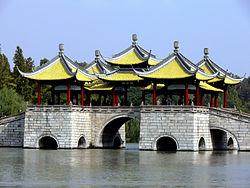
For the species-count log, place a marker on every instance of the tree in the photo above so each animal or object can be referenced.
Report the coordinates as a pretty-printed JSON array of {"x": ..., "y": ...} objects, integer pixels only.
[
  {"x": 10, "y": 105},
  {"x": 5, "y": 74},
  {"x": 43, "y": 61},
  {"x": 24, "y": 86}
]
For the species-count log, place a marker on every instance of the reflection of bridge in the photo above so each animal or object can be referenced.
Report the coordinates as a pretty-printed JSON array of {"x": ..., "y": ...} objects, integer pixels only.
[{"x": 161, "y": 127}]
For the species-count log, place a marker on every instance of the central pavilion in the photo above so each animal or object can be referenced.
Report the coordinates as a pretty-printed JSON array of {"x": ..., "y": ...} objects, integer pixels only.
[{"x": 133, "y": 67}]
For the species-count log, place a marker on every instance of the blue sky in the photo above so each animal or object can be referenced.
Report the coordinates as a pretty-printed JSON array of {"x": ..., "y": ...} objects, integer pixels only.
[{"x": 86, "y": 25}]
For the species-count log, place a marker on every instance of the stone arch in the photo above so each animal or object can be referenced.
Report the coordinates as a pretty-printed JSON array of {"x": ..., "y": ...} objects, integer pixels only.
[
  {"x": 108, "y": 136},
  {"x": 222, "y": 143},
  {"x": 47, "y": 142},
  {"x": 165, "y": 140},
  {"x": 81, "y": 142},
  {"x": 202, "y": 144}
]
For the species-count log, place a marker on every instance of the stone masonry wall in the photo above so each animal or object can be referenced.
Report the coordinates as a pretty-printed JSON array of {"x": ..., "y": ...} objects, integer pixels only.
[
  {"x": 186, "y": 125},
  {"x": 11, "y": 131},
  {"x": 65, "y": 124}
]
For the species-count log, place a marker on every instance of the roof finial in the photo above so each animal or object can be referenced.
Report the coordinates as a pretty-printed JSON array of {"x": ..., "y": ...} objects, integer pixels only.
[
  {"x": 61, "y": 48},
  {"x": 206, "y": 52},
  {"x": 134, "y": 38},
  {"x": 176, "y": 46},
  {"x": 97, "y": 54}
]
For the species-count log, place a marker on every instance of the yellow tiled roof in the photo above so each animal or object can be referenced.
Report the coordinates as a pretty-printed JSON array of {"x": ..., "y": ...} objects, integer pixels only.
[
  {"x": 81, "y": 77},
  {"x": 129, "y": 59},
  {"x": 122, "y": 77},
  {"x": 172, "y": 70},
  {"x": 206, "y": 69},
  {"x": 152, "y": 62},
  {"x": 203, "y": 77},
  {"x": 215, "y": 80},
  {"x": 55, "y": 72},
  {"x": 206, "y": 86},
  {"x": 98, "y": 85},
  {"x": 230, "y": 81}
]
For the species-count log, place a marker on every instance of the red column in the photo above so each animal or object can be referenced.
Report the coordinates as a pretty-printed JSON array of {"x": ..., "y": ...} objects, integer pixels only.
[
  {"x": 154, "y": 96},
  {"x": 116, "y": 102},
  {"x": 114, "y": 96},
  {"x": 212, "y": 100},
  {"x": 39, "y": 93},
  {"x": 186, "y": 96},
  {"x": 69, "y": 93},
  {"x": 82, "y": 97},
  {"x": 202, "y": 99},
  {"x": 216, "y": 100},
  {"x": 197, "y": 95},
  {"x": 225, "y": 98}
]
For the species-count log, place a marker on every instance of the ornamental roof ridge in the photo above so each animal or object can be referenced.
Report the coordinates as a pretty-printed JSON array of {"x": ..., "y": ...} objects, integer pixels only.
[
  {"x": 123, "y": 52},
  {"x": 193, "y": 65},
  {"x": 74, "y": 64}
]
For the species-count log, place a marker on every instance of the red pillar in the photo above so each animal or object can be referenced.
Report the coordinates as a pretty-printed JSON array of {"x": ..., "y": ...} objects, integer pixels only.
[
  {"x": 116, "y": 102},
  {"x": 197, "y": 95},
  {"x": 225, "y": 98},
  {"x": 39, "y": 93},
  {"x": 82, "y": 97},
  {"x": 202, "y": 99},
  {"x": 216, "y": 100},
  {"x": 154, "y": 96},
  {"x": 186, "y": 96},
  {"x": 69, "y": 93},
  {"x": 114, "y": 96},
  {"x": 212, "y": 100}
]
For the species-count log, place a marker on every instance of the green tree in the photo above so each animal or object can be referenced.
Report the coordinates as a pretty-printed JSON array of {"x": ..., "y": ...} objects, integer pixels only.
[
  {"x": 5, "y": 74},
  {"x": 233, "y": 98},
  {"x": 10, "y": 101},
  {"x": 43, "y": 61},
  {"x": 24, "y": 86}
]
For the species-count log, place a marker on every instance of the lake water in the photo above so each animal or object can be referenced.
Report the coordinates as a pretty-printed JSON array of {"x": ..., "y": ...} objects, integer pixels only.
[{"x": 123, "y": 168}]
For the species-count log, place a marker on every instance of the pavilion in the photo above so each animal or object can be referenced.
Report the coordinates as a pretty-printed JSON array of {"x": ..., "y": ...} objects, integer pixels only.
[{"x": 135, "y": 67}]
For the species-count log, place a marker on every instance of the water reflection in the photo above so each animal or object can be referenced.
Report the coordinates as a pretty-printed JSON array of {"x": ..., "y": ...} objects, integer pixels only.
[{"x": 123, "y": 168}]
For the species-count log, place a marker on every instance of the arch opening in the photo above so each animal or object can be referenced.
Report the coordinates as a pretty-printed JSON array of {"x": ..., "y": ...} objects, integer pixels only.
[
  {"x": 166, "y": 144},
  {"x": 47, "y": 142},
  {"x": 202, "y": 145},
  {"x": 81, "y": 142},
  {"x": 116, "y": 132},
  {"x": 230, "y": 143},
  {"x": 219, "y": 139}
]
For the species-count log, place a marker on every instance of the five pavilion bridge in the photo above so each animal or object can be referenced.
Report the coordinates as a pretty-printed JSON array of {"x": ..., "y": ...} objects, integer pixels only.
[
  {"x": 161, "y": 127},
  {"x": 79, "y": 121}
]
